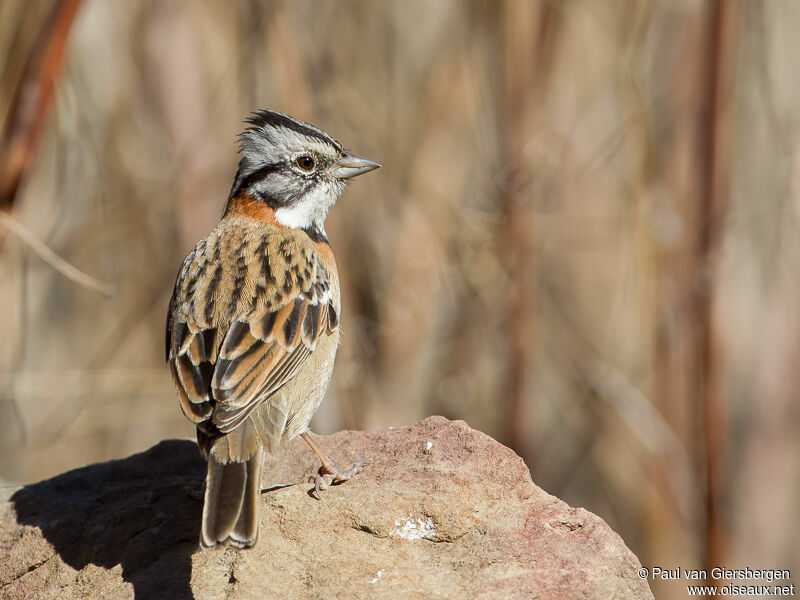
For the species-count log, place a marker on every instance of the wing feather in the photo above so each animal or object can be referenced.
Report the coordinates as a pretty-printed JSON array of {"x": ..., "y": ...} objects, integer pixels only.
[
  {"x": 227, "y": 366},
  {"x": 236, "y": 402}
]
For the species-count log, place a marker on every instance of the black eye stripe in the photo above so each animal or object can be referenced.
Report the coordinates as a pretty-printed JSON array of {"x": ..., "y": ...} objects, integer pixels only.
[
  {"x": 255, "y": 176},
  {"x": 247, "y": 182}
]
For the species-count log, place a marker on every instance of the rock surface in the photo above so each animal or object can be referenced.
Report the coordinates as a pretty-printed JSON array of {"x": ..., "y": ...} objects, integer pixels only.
[{"x": 440, "y": 511}]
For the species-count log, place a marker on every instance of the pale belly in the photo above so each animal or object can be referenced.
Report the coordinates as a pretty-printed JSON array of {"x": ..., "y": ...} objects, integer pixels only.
[{"x": 288, "y": 412}]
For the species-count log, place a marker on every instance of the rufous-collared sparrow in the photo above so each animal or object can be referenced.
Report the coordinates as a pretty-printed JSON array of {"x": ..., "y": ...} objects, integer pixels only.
[{"x": 253, "y": 323}]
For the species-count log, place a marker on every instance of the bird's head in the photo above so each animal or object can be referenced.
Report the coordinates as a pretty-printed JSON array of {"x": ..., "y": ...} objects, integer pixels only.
[{"x": 298, "y": 170}]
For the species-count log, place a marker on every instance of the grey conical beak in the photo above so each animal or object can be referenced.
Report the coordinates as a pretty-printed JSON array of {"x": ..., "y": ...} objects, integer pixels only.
[{"x": 350, "y": 165}]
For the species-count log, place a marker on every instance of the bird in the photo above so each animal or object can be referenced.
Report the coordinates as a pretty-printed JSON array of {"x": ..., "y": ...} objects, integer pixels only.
[{"x": 253, "y": 322}]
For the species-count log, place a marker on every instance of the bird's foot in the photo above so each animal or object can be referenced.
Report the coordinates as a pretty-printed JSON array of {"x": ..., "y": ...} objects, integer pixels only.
[{"x": 329, "y": 475}]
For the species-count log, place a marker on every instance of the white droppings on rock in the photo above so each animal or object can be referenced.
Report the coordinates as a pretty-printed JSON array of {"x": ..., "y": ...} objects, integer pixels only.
[
  {"x": 428, "y": 446},
  {"x": 378, "y": 575},
  {"x": 410, "y": 528}
]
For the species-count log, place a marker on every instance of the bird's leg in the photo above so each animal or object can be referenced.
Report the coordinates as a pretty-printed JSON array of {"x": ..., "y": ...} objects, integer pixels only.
[{"x": 328, "y": 473}]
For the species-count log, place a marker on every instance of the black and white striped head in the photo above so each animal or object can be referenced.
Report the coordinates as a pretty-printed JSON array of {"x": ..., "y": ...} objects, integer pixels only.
[{"x": 298, "y": 170}]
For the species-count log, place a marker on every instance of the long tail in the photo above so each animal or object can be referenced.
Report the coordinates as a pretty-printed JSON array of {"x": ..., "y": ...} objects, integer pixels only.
[{"x": 230, "y": 508}]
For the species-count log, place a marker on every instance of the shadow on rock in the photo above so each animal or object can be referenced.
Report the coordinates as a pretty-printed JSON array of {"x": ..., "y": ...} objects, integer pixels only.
[{"x": 133, "y": 512}]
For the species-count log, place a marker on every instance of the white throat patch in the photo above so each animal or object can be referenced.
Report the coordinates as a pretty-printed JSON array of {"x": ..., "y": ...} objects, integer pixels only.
[
  {"x": 302, "y": 215},
  {"x": 311, "y": 210}
]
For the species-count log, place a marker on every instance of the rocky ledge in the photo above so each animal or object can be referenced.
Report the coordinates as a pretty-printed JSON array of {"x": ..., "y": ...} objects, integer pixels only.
[{"x": 439, "y": 511}]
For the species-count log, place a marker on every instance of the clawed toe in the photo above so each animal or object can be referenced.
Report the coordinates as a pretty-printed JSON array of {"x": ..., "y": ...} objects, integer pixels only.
[
  {"x": 331, "y": 475},
  {"x": 345, "y": 475},
  {"x": 322, "y": 481}
]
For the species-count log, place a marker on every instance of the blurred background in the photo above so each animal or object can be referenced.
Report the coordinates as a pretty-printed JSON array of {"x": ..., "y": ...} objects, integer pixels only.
[{"x": 584, "y": 239}]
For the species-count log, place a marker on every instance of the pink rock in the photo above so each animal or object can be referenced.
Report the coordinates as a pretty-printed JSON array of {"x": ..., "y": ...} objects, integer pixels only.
[{"x": 439, "y": 511}]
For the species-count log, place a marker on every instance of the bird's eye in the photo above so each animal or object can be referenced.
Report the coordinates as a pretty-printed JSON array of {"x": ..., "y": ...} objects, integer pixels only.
[{"x": 305, "y": 162}]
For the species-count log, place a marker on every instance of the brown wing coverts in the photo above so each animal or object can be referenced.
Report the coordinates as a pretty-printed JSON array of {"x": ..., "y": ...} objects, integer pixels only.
[
  {"x": 259, "y": 355},
  {"x": 249, "y": 306},
  {"x": 192, "y": 365}
]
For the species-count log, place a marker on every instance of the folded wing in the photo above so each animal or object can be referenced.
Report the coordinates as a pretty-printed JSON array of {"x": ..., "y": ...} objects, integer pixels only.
[{"x": 225, "y": 369}]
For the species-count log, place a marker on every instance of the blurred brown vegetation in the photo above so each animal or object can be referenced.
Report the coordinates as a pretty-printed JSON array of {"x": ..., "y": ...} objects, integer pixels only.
[{"x": 583, "y": 240}]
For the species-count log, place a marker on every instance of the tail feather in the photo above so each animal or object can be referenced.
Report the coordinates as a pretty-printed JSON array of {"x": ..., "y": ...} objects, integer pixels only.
[
  {"x": 230, "y": 508},
  {"x": 245, "y": 531}
]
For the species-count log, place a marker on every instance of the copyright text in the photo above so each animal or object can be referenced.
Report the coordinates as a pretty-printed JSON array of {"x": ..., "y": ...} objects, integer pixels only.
[{"x": 733, "y": 582}]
